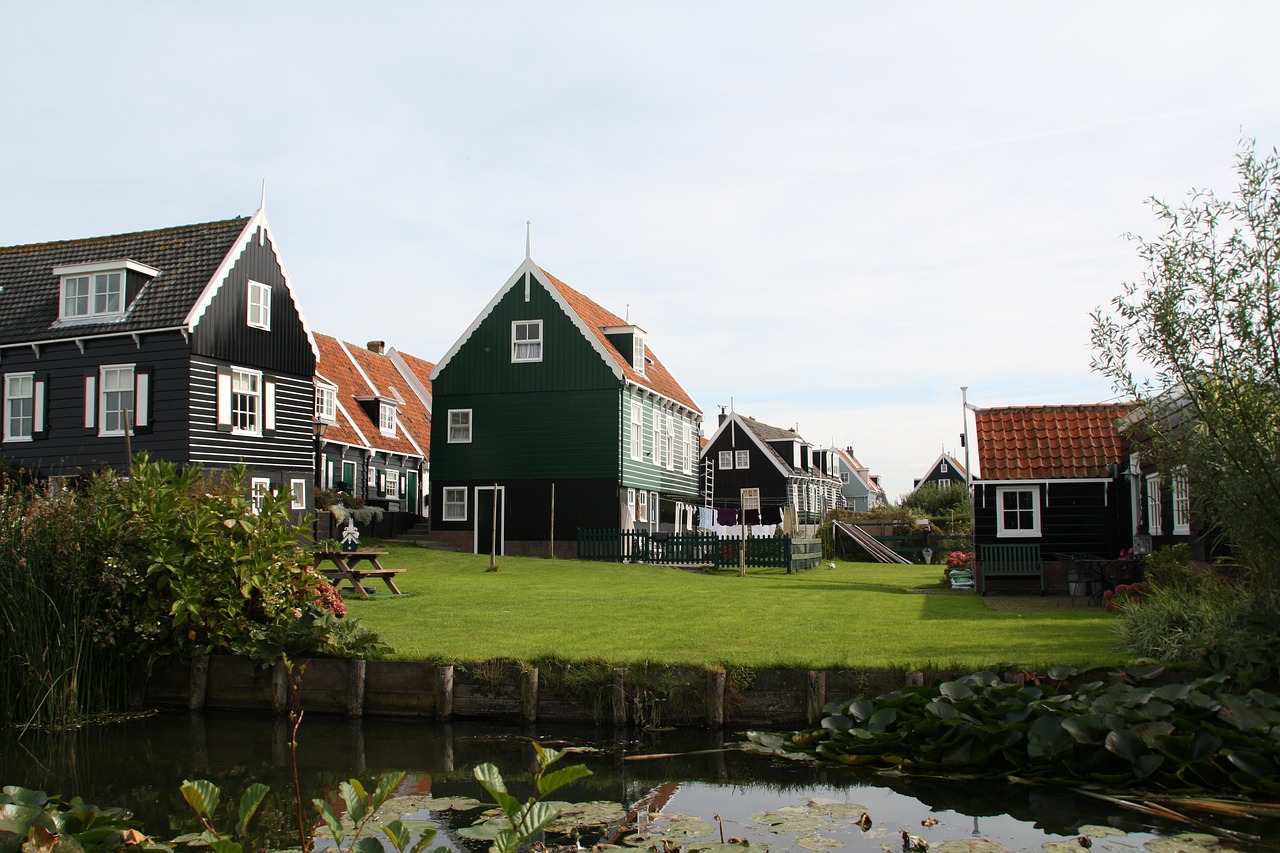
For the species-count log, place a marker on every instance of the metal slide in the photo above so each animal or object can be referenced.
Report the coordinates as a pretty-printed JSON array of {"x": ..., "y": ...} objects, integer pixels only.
[{"x": 870, "y": 544}]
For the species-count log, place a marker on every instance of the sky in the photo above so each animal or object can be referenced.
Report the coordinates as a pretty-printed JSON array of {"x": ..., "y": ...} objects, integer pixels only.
[{"x": 826, "y": 215}]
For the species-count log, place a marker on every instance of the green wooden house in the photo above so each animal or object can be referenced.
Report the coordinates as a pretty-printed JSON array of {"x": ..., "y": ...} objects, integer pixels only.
[{"x": 552, "y": 414}]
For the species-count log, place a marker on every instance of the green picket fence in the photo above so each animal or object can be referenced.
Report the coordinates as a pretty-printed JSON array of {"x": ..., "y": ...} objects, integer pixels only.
[{"x": 697, "y": 549}]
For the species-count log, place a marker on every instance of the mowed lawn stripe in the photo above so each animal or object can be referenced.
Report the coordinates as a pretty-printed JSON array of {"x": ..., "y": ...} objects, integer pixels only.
[{"x": 857, "y": 615}]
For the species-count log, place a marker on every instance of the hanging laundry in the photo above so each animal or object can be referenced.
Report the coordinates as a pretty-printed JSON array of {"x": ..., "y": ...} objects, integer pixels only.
[
  {"x": 726, "y": 517},
  {"x": 771, "y": 515},
  {"x": 751, "y": 516}
]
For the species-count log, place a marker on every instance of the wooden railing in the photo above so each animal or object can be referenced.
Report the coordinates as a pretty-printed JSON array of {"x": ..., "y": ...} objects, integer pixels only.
[{"x": 1009, "y": 561}]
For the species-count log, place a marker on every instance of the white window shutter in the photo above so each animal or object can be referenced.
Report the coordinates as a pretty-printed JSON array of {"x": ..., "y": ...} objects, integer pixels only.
[
  {"x": 142, "y": 400},
  {"x": 38, "y": 408},
  {"x": 90, "y": 402},
  {"x": 268, "y": 407},
  {"x": 224, "y": 399}
]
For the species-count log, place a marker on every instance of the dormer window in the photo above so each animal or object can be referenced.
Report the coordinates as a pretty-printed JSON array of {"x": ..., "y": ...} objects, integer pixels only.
[
  {"x": 326, "y": 403},
  {"x": 97, "y": 291},
  {"x": 387, "y": 418},
  {"x": 259, "y": 305},
  {"x": 637, "y": 354}
]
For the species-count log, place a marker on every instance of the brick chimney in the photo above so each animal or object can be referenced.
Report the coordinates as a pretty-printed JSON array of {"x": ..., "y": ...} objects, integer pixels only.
[{"x": 377, "y": 346}]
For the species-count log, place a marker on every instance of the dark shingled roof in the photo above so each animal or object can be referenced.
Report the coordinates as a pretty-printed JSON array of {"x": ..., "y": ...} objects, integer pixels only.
[{"x": 187, "y": 257}]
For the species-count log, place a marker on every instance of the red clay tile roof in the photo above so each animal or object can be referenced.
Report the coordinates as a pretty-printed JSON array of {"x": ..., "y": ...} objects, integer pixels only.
[
  {"x": 1049, "y": 442},
  {"x": 342, "y": 366},
  {"x": 656, "y": 376}
]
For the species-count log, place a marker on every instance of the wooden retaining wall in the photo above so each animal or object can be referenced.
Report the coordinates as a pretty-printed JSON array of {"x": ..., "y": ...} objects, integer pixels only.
[{"x": 687, "y": 696}]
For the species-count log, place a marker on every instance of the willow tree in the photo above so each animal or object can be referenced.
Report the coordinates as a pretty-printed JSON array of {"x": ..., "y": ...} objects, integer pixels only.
[{"x": 1197, "y": 341}]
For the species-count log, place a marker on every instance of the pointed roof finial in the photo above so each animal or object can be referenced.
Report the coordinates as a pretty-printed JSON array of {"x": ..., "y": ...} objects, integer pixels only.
[
  {"x": 262, "y": 200},
  {"x": 528, "y": 237}
]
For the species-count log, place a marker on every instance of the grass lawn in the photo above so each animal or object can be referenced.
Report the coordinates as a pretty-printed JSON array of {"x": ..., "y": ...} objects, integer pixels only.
[{"x": 857, "y": 615}]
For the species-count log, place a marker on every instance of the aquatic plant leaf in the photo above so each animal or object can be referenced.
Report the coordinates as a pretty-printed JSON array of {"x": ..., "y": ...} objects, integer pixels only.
[
  {"x": 578, "y": 816},
  {"x": 353, "y": 794},
  {"x": 559, "y": 778},
  {"x": 438, "y": 804},
  {"x": 202, "y": 795},
  {"x": 387, "y": 784},
  {"x": 1086, "y": 729},
  {"x": 673, "y": 823},
  {"x": 397, "y": 833},
  {"x": 485, "y": 830},
  {"x": 956, "y": 691},
  {"x": 942, "y": 710},
  {"x": 971, "y": 845},
  {"x": 491, "y": 780},
  {"x": 836, "y": 808},
  {"x": 325, "y": 811},
  {"x": 1063, "y": 847},
  {"x": 1187, "y": 842},
  {"x": 861, "y": 709},
  {"x": 1252, "y": 763},
  {"x": 368, "y": 844},
  {"x": 728, "y": 847},
  {"x": 1095, "y": 830},
  {"x": 18, "y": 795},
  {"x": 837, "y": 722},
  {"x": 1062, "y": 672},
  {"x": 1047, "y": 739},
  {"x": 249, "y": 802},
  {"x": 818, "y": 842},
  {"x": 882, "y": 719}
]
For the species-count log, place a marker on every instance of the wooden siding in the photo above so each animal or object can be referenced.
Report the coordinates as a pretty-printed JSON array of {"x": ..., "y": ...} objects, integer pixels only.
[
  {"x": 1086, "y": 518},
  {"x": 291, "y": 448},
  {"x": 68, "y": 446},
  {"x": 572, "y": 434},
  {"x": 339, "y": 453},
  {"x": 585, "y": 503},
  {"x": 645, "y": 473},
  {"x": 763, "y": 473},
  {"x": 483, "y": 362},
  {"x": 223, "y": 332}
]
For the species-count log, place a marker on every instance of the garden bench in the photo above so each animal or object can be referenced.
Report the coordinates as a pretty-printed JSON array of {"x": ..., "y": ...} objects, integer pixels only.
[{"x": 1009, "y": 561}]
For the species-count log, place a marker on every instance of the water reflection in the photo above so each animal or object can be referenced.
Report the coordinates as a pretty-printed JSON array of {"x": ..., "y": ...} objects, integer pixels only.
[{"x": 140, "y": 765}]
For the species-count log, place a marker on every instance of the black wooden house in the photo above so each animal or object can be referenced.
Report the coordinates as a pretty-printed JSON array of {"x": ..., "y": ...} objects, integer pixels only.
[
  {"x": 745, "y": 453},
  {"x": 186, "y": 343}
]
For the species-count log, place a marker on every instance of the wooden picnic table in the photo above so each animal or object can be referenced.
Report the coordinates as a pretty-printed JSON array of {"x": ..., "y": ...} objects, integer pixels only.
[{"x": 346, "y": 566}]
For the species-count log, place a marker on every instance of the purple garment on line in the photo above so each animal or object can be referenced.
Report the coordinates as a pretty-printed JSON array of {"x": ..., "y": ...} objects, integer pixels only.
[{"x": 726, "y": 517}]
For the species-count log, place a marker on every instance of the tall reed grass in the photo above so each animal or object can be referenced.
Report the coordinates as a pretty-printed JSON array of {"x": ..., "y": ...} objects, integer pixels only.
[{"x": 56, "y": 668}]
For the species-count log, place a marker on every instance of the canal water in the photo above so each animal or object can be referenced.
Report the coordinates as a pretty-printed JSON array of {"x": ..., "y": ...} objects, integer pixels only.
[{"x": 783, "y": 805}]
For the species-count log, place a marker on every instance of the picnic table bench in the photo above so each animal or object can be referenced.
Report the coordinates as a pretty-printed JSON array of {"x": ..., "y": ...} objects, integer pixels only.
[
  {"x": 346, "y": 566},
  {"x": 1009, "y": 561}
]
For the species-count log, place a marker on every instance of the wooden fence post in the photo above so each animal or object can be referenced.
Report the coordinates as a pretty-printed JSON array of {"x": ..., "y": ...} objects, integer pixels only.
[
  {"x": 444, "y": 692},
  {"x": 199, "y": 683},
  {"x": 619, "y": 697},
  {"x": 355, "y": 688},
  {"x": 529, "y": 694},
  {"x": 715, "y": 698},
  {"x": 815, "y": 696}
]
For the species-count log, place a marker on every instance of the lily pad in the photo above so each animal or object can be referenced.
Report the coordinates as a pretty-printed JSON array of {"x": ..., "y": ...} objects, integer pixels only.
[
  {"x": 971, "y": 845},
  {"x": 436, "y": 804},
  {"x": 1187, "y": 842},
  {"x": 819, "y": 842},
  {"x": 583, "y": 815},
  {"x": 1094, "y": 830},
  {"x": 836, "y": 809}
]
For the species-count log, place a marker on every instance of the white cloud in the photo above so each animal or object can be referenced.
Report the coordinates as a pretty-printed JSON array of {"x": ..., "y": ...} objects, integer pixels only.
[{"x": 835, "y": 216}]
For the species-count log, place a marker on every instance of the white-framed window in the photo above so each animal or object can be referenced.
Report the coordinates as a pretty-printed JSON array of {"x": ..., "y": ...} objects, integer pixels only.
[
  {"x": 1181, "y": 501},
  {"x": 372, "y": 478},
  {"x": 630, "y": 498},
  {"x": 1017, "y": 511},
  {"x": 942, "y": 469},
  {"x": 91, "y": 295},
  {"x": 637, "y": 430},
  {"x": 391, "y": 484},
  {"x": 742, "y": 459},
  {"x": 19, "y": 406},
  {"x": 259, "y": 305},
  {"x": 666, "y": 441},
  {"x": 687, "y": 444},
  {"x": 1155, "y": 524},
  {"x": 844, "y": 477},
  {"x": 326, "y": 403},
  {"x": 115, "y": 398},
  {"x": 246, "y": 401},
  {"x": 387, "y": 418},
  {"x": 724, "y": 460},
  {"x": 526, "y": 340},
  {"x": 259, "y": 487},
  {"x": 298, "y": 494},
  {"x": 642, "y": 506},
  {"x": 459, "y": 426},
  {"x": 637, "y": 353},
  {"x": 455, "y": 503}
]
